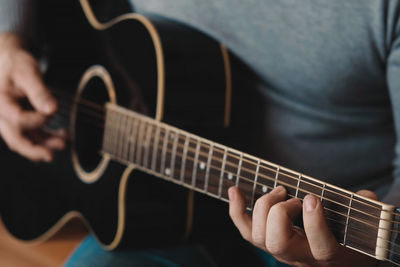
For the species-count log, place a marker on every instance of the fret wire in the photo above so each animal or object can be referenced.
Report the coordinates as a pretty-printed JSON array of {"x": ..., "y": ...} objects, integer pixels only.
[
  {"x": 117, "y": 150},
  {"x": 276, "y": 176},
  {"x": 222, "y": 173},
  {"x": 362, "y": 202},
  {"x": 347, "y": 221},
  {"x": 298, "y": 184},
  {"x": 139, "y": 142},
  {"x": 255, "y": 182},
  {"x": 239, "y": 169},
  {"x": 119, "y": 119},
  {"x": 344, "y": 215},
  {"x": 106, "y": 135},
  {"x": 155, "y": 148},
  {"x": 174, "y": 148},
  {"x": 270, "y": 164},
  {"x": 210, "y": 152},
  {"x": 128, "y": 141},
  {"x": 271, "y": 187},
  {"x": 134, "y": 137},
  {"x": 163, "y": 153},
  {"x": 335, "y": 202},
  {"x": 114, "y": 125},
  {"x": 124, "y": 135},
  {"x": 112, "y": 133},
  {"x": 322, "y": 193},
  {"x": 196, "y": 158},
  {"x": 185, "y": 149},
  {"x": 222, "y": 198},
  {"x": 293, "y": 177},
  {"x": 147, "y": 145}
]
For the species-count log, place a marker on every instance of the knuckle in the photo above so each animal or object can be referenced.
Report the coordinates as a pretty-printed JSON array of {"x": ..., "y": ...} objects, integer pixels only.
[
  {"x": 276, "y": 247},
  {"x": 265, "y": 201},
  {"x": 323, "y": 254},
  {"x": 17, "y": 118},
  {"x": 277, "y": 209},
  {"x": 258, "y": 239}
]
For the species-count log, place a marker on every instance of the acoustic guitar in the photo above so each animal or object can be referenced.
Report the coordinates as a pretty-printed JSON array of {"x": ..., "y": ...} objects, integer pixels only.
[{"x": 111, "y": 143}]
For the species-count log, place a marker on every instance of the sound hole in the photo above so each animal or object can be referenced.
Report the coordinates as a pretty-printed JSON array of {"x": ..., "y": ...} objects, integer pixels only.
[{"x": 90, "y": 119}]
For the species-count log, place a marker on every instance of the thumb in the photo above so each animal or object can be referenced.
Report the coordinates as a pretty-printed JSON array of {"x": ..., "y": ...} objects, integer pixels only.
[
  {"x": 322, "y": 242},
  {"x": 28, "y": 78}
]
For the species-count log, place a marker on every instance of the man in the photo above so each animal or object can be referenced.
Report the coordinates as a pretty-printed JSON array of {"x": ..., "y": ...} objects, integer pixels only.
[{"x": 329, "y": 74}]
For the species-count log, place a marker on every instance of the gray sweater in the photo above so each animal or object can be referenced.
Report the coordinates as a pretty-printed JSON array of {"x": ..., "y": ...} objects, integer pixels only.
[
  {"x": 17, "y": 16},
  {"x": 329, "y": 73}
]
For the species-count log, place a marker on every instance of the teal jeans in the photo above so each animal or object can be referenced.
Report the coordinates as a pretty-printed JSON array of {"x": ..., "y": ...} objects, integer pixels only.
[{"x": 90, "y": 253}]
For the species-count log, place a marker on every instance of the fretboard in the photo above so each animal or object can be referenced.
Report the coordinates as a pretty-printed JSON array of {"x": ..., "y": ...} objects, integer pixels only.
[{"x": 211, "y": 168}]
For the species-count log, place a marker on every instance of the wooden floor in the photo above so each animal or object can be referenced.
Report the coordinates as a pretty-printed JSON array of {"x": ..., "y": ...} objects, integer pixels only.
[{"x": 52, "y": 253}]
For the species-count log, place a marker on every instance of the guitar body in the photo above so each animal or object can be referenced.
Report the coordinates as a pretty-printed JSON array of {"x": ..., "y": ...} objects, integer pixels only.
[{"x": 157, "y": 66}]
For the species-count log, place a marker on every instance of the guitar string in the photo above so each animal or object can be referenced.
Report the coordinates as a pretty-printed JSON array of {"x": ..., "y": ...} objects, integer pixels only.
[
  {"x": 334, "y": 229},
  {"x": 216, "y": 168},
  {"x": 324, "y": 207},
  {"x": 284, "y": 174},
  {"x": 268, "y": 169},
  {"x": 292, "y": 177},
  {"x": 101, "y": 108},
  {"x": 314, "y": 193},
  {"x": 326, "y": 210},
  {"x": 289, "y": 176},
  {"x": 270, "y": 187},
  {"x": 159, "y": 145}
]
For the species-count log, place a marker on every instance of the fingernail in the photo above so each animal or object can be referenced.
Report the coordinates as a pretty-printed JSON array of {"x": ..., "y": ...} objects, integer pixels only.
[
  {"x": 278, "y": 190},
  {"x": 49, "y": 105},
  {"x": 310, "y": 202},
  {"x": 231, "y": 194}
]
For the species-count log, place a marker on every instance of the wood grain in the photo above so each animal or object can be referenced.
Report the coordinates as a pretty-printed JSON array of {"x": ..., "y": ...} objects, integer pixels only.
[{"x": 53, "y": 252}]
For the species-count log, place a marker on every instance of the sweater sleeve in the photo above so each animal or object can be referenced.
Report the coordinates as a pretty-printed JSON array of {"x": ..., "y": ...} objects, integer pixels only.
[
  {"x": 393, "y": 80},
  {"x": 17, "y": 16}
]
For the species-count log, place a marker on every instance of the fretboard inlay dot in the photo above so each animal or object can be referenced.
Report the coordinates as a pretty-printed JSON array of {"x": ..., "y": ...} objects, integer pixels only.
[
  {"x": 202, "y": 165},
  {"x": 265, "y": 189}
]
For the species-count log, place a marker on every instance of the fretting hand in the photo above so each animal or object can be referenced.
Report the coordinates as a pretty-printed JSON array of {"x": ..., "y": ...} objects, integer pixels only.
[
  {"x": 271, "y": 229},
  {"x": 21, "y": 80}
]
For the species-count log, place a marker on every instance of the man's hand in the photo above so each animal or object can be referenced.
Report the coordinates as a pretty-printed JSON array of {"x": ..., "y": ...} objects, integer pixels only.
[
  {"x": 21, "y": 80},
  {"x": 271, "y": 229}
]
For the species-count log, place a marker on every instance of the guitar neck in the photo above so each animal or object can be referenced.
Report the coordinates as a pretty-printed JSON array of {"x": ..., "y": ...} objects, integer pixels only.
[{"x": 211, "y": 168}]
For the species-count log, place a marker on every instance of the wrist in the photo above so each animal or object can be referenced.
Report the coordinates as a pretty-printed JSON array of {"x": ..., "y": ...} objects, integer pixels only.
[{"x": 11, "y": 40}]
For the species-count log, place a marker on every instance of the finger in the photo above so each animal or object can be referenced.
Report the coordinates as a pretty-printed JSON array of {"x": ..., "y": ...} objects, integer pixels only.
[
  {"x": 12, "y": 111},
  {"x": 50, "y": 141},
  {"x": 238, "y": 213},
  {"x": 62, "y": 133},
  {"x": 323, "y": 244},
  {"x": 14, "y": 114},
  {"x": 17, "y": 142},
  {"x": 29, "y": 79},
  {"x": 282, "y": 239},
  {"x": 260, "y": 214},
  {"x": 368, "y": 194}
]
